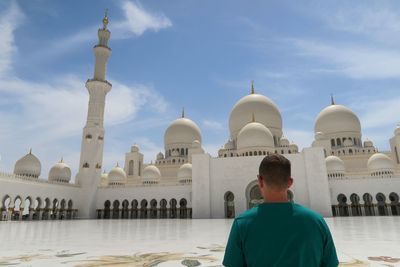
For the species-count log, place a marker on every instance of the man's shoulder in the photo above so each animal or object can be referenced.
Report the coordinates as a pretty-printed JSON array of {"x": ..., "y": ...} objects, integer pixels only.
[{"x": 248, "y": 214}]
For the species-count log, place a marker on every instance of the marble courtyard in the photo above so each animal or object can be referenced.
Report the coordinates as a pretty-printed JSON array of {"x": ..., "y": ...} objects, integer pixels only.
[{"x": 360, "y": 241}]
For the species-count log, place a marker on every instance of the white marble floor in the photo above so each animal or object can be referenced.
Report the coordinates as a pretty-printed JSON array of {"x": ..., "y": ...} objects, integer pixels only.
[{"x": 363, "y": 241}]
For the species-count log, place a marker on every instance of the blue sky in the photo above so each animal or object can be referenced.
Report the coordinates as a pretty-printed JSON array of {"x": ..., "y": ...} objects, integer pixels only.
[{"x": 200, "y": 55}]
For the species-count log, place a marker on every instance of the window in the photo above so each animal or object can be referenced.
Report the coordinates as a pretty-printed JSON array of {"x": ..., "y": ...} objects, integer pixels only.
[{"x": 130, "y": 167}]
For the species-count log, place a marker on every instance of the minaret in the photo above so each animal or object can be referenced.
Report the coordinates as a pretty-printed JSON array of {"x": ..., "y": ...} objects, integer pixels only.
[{"x": 91, "y": 159}]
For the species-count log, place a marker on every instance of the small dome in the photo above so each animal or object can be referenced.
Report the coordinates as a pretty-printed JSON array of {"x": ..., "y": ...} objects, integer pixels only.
[
  {"x": 285, "y": 142},
  {"x": 380, "y": 162},
  {"x": 182, "y": 131},
  {"x": 104, "y": 179},
  {"x": 151, "y": 172},
  {"x": 348, "y": 142},
  {"x": 337, "y": 119},
  {"x": 117, "y": 176},
  {"x": 334, "y": 164},
  {"x": 29, "y": 165},
  {"x": 185, "y": 172},
  {"x": 229, "y": 145},
  {"x": 135, "y": 148},
  {"x": 294, "y": 146},
  {"x": 368, "y": 143},
  {"x": 255, "y": 134},
  {"x": 60, "y": 172},
  {"x": 265, "y": 110},
  {"x": 319, "y": 136},
  {"x": 160, "y": 156}
]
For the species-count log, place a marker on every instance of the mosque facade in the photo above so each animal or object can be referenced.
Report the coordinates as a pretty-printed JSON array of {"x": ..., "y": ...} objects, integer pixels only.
[{"x": 340, "y": 174}]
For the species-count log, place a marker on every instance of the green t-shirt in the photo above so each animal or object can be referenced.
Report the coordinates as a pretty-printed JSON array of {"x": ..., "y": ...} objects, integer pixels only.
[{"x": 280, "y": 234}]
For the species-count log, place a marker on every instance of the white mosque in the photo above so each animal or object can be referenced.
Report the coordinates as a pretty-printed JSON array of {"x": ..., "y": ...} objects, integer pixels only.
[{"x": 338, "y": 175}]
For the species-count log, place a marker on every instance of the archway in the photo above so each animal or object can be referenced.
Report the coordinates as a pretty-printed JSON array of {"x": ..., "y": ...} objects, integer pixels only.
[
  {"x": 37, "y": 209},
  {"x": 173, "y": 210},
  {"x": 115, "y": 211},
  {"x": 382, "y": 208},
  {"x": 5, "y": 206},
  {"x": 143, "y": 209},
  {"x": 182, "y": 208},
  {"x": 153, "y": 209},
  {"x": 368, "y": 205},
  {"x": 343, "y": 207},
  {"x": 46, "y": 210},
  {"x": 134, "y": 211},
  {"x": 63, "y": 205},
  {"x": 16, "y": 213},
  {"x": 229, "y": 205},
  {"x": 355, "y": 205},
  {"x": 107, "y": 211},
  {"x": 27, "y": 209},
  {"x": 125, "y": 209},
  {"x": 54, "y": 211},
  {"x": 163, "y": 208},
  {"x": 394, "y": 203},
  {"x": 253, "y": 195},
  {"x": 69, "y": 209}
]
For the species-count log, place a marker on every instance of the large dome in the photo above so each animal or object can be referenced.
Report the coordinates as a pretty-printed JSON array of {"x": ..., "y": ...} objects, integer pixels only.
[
  {"x": 60, "y": 172},
  {"x": 264, "y": 109},
  {"x": 337, "y": 119},
  {"x": 117, "y": 176},
  {"x": 185, "y": 171},
  {"x": 182, "y": 131},
  {"x": 334, "y": 164},
  {"x": 29, "y": 165},
  {"x": 380, "y": 162},
  {"x": 151, "y": 172},
  {"x": 254, "y": 134}
]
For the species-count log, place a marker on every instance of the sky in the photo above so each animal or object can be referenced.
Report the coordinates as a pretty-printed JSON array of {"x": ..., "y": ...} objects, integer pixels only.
[{"x": 200, "y": 55}]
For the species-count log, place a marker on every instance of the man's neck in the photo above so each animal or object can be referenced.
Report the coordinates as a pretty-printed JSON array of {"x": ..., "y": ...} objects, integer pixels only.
[{"x": 276, "y": 197}]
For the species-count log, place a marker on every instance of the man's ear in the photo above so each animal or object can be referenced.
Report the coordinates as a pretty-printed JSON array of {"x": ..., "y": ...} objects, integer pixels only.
[
  {"x": 290, "y": 182},
  {"x": 260, "y": 181}
]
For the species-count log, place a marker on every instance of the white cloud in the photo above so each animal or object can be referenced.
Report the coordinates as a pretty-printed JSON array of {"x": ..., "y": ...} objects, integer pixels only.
[
  {"x": 138, "y": 20},
  {"x": 361, "y": 62},
  {"x": 9, "y": 21},
  {"x": 213, "y": 125}
]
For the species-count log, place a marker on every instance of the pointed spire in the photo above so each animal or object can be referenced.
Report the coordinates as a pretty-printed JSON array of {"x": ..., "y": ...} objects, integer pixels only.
[
  {"x": 183, "y": 112},
  {"x": 117, "y": 164},
  {"x": 252, "y": 87},
  {"x": 62, "y": 160},
  {"x": 30, "y": 151},
  {"x": 332, "y": 100},
  {"x": 253, "y": 117},
  {"x": 105, "y": 19}
]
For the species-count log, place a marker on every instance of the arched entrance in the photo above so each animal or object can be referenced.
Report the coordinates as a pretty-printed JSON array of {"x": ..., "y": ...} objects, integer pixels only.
[
  {"x": 115, "y": 211},
  {"x": 229, "y": 205},
  {"x": 355, "y": 205},
  {"x": 394, "y": 203},
  {"x": 163, "y": 208},
  {"x": 125, "y": 209},
  {"x": 343, "y": 207},
  {"x": 253, "y": 195},
  {"x": 382, "y": 209}
]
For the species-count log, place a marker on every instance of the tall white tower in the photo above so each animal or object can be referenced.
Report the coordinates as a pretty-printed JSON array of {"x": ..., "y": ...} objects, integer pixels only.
[{"x": 91, "y": 159}]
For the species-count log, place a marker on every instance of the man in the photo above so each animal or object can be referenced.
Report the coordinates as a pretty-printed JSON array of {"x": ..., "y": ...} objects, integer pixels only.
[{"x": 278, "y": 232}]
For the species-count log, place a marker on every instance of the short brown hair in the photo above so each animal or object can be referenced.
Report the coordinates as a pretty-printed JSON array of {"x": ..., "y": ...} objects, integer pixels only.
[{"x": 275, "y": 170}]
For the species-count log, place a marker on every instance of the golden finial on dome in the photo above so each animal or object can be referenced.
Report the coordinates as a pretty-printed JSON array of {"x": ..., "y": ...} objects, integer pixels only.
[
  {"x": 62, "y": 160},
  {"x": 30, "y": 151},
  {"x": 252, "y": 87},
  {"x": 105, "y": 19},
  {"x": 183, "y": 112},
  {"x": 253, "y": 117},
  {"x": 332, "y": 100}
]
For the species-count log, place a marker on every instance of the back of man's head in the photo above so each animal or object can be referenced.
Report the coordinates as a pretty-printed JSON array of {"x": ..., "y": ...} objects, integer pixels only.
[{"x": 275, "y": 170}]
